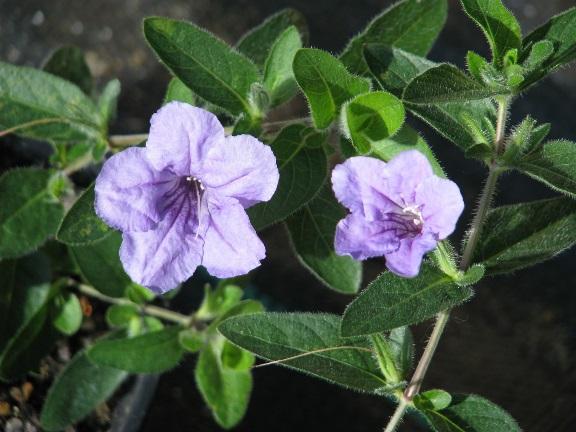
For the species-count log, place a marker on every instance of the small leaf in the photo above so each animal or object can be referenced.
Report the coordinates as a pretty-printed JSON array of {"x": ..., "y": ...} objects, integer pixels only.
[
  {"x": 68, "y": 63},
  {"x": 476, "y": 65},
  {"x": 191, "y": 340},
  {"x": 539, "y": 53},
  {"x": 68, "y": 317},
  {"x": 120, "y": 315},
  {"x": 391, "y": 301},
  {"x": 472, "y": 275},
  {"x": 445, "y": 83},
  {"x": 312, "y": 231},
  {"x": 177, "y": 91},
  {"x": 499, "y": 25},
  {"x": 236, "y": 358},
  {"x": 79, "y": 388},
  {"x": 372, "y": 117},
  {"x": 279, "y": 78},
  {"x": 81, "y": 226},
  {"x": 218, "y": 301},
  {"x": 204, "y": 63},
  {"x": 412, "y": 25},
  {"x": 326, "y": 83},
  {"x": 100, "y": 265},
  {"x": 29, "y": 214},
  {"x": 257, "y": 43},
  {"x": 108, "y": 101},
  {"x": 303, "y": 167},
  {"x": 279, "y": 336},
  {"x": 434, "y": 400},
  {"x": 471, "y": 413},
  {"x": 402, "y": 346},
  {"x": 153, "y": 352},
  {"x": 139, "y": 294},
  {"x": 554, "y": 165},
  {"x": 521, "y": 235}
]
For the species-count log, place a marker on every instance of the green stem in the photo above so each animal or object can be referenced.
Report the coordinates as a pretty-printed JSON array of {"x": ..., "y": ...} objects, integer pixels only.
[
  {"x": 126, "y": 140},
  {"x": 442, "y": 318},
  {"x": 151, "y": 310}
]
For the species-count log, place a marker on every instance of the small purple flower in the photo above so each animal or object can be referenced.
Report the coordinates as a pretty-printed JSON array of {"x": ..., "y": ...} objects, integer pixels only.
[
  {"x": 399, "y": 209},
  {"x": 180, "y": 201}
]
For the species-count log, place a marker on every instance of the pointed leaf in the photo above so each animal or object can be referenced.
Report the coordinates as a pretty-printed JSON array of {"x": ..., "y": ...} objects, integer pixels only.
[
  {"x": 177, "y": 91},
  {"x": 108, "y": 101},
  {"x": 68, "y": 62},
  {"x": 402, "y": 346}
]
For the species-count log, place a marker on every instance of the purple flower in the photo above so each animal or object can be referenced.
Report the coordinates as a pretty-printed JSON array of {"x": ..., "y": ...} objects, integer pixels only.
[
  {"x": 399, "y": 209},
  {"x": 180, "y": 201}
]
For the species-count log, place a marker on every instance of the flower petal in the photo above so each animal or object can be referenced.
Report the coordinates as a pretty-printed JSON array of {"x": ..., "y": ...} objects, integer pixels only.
[
  {"x": 243, "y": 168},
  {"x": 441, "y": 205},
  {"x": 128, "y": 191},
  {"x": 231, "y": 246},
  {"x": 360, "y": 184},
  {"x": 406, "y": 171},
  {"x": 162, "y": 258},
  {"x": 361, "y": 239},
  {"x": 406, "y": 260},
  {"x": 180, "y": 136}
]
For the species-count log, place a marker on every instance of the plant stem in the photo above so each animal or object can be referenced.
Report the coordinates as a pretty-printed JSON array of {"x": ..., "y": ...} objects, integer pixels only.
[
  {"x": 442, "y": 318},
  {"x": 126, "y": 140},
  {"x": 151, "y": 310}
]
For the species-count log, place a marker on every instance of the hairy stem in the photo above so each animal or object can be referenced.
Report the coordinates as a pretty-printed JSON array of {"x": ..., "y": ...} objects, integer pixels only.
[
  {"x": 151, "y": 310},
  {"x": 442, "y": 318}
]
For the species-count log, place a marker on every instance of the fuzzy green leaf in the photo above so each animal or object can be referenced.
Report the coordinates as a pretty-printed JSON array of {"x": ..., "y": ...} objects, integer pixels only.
[
  {"x": 204, "y": 63},
  {"x": 412, "y": 25},
  {"x": 68, "y": 62},
  {"x": 402, "y": 346},
  {"x": 312, "y": 231},
  {"x": 303, "y": 167},
  {"x": 108, "y": 101},
  {"x": 177, "y": 91},
  {"x": 432, "y": 400},
  {"x": 326, "y": 83},
  {"x": 68, "y": 315},
  {"x": 391, "y": 301}
]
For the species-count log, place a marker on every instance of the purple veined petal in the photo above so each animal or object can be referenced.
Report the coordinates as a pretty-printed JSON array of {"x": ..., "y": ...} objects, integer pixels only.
[
  {"x": 162, "y": 258},
  {"x": 359, "y": 184},
  {"x": 129, "y": 190},
  {"x": 231, "y": 246},
  {"x": 406, "y": 171},
  {"x": 180, "y": 136},
  {"x": 405, "y": 262},
  {"x": 441, "y": 205},
  {"x": 362, "y": 239},
  {"x": 241, "y": 167}
]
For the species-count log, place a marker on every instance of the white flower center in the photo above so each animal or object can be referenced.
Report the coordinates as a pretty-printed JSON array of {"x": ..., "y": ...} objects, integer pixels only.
[{"x": 415, "y": 213}]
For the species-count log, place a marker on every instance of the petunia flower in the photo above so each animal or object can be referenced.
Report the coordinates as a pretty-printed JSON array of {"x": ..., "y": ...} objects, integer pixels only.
[
  {"x": 399, "y": 209},
  {"x": 180, "y": 201}
]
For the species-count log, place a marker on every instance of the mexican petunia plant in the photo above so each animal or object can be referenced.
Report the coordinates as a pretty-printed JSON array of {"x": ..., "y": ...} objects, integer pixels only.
[{"x": 183, "y": 205}]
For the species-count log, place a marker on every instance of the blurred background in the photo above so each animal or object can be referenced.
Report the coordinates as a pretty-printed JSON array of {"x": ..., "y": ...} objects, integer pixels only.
[{"x": 514, "y": 343}]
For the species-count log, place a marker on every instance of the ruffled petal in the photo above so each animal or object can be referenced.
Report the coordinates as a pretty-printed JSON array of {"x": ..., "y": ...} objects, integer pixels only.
[
  {"x": 180, "y": 136},
  {"x": 231, "y": 246},
  {"x": 162, "y": 258},
  {"x": 360, "y": 184},
  {"x": 405, "y": 262},
  {"x": 129, "y": 191},
  {"x": 361, "y": 239},
  {"x": 243, "y": 168},
  {"x": 441, "y": 205},
  {"x": 406, "y": 171}
]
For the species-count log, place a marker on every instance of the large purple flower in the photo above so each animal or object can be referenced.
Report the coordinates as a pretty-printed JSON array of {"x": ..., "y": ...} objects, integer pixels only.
[
  {"x": 399, "y": 209},
  {"x": 180, "y": 201}
]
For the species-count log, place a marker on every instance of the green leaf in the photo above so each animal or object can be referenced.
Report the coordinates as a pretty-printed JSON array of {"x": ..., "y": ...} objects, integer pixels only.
[
  {"x": 476, "y": 65},
  {"x": 30, "y": 213},
  {"x": 312, "y": 231},
  {"x": 412, "y": 25},
  {"x": 39, "y": 105},
  {"x": 432, "y": 400},
  {"x": 119, "y": 315},
  {"x": 471, "y": 413},
  {"x": 257, "y": 43},
  {"x": 108, "y": 101},
  {"x": 279, "y": 78},
  {"x": 561, "y": 32},
  {"x": 68, "y": 317},
  {"x": 391, "y": 301},
  {"x": 303, "y": 167},
  {"x": 406, "y": 139},
  {"x": 204, "y": 63},
  {"x": 326, "y": 83},
  {"x": 81, "y": 226},
  {"x": 153, "y": 352},
  {"x": 280, "y": 336},
  {"x": 177, "y": 91},
  {"x": 79, "y": 388},
  {"x": 225, "y": 390},
  {"x": 539, "y": 52},
  {"x": 521, "y": 235},
  {"x": 191, "y": 340},
  {"x": 372, "y": 117},
  {"x": 554, "y": 165},
  {"x": 472, "y": 275},
  {"x": 68, "y": 62},
  {"x": 100, "y": 265},
  {"x": 445, "y": 83},
  {"x": 402, "y": 345},
  {"x": 498, "y": 24},
  {"x": 217, "y": 302}
]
